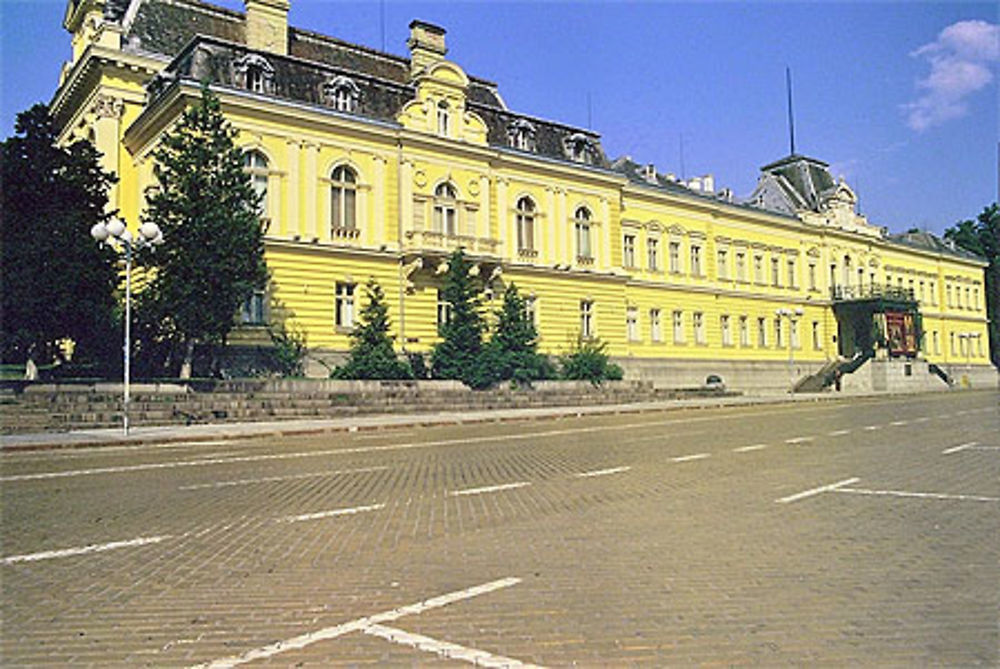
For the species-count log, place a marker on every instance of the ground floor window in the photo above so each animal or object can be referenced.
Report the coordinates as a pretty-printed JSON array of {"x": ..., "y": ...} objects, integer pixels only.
[
  {"x": 443, "y": 309},
  {"x": 762, "y": 333},
  {"x": 586, "y": 319},
  {"x": 698, "y": 324},
  {"x": 727, "y": 335},
  {"x": 678, "y": 327},
  {"x": 744, "y": 331},
  {"x": 654, "y": 325},
  {"x": 344, "y": 305},
  {"x": 632, "y": 324},
  {"x": 252, "y": 312}
]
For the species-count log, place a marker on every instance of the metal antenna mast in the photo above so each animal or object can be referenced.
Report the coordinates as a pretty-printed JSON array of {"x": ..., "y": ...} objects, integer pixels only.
[{"x": 791, "y": 117}]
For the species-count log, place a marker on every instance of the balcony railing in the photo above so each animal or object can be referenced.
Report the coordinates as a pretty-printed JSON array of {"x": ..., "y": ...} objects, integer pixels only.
[
  {"x": 429, "y": 239},
  {"x": 872, "y": 292}
]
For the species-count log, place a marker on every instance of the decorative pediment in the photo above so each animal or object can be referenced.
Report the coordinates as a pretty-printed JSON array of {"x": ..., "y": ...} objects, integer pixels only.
[
  {"x": 676, "y": 230},
  {"x": 254, "y": 73},
  {"x": 341, "y": 93},
  {"x": 580, "y": 148},
  {"x": 813, "y": 252}
]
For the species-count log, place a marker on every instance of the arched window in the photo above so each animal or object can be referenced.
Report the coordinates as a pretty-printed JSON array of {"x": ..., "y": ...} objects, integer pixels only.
[
  {"x": 343, "y": 199},
  {"x": 445, "y": 209},
  {"x": 525, "y": 226},
  {"x": 443, "y": 114},
  {"x": 847, "y": 271},
  {"x": 581, "y": 221},
  {"x": 254, "y": 73},
  {"x": 255, "y": 165},
  {"x": 342, "y": 94}
]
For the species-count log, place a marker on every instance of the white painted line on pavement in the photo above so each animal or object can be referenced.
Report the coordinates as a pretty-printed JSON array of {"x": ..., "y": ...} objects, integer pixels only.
[
  {"x": 689, "y": 458},
  {"x": 816, "y": 491},
  {"x": 798, "y": 440},
  {"x": 83, "y": 550},
  {"x": 960, "y": 447},
  {"x": 838, "y": 433},
  {"x": 332, "y": 513},
  {"x": 490, "y": 488},
  {"x": 603, "y": 472},
  {"x": 359, "y": 625},
  {"x": 922, "y": 419},
  {"x": 451, "y": 651},
  {"x": 921, "y": 495},
  {"x": 872, "y": 428},
  {"x": 747, "y": 449},
  {"x": 899, "y": 422},
  {"x": 271, "y": 479}
]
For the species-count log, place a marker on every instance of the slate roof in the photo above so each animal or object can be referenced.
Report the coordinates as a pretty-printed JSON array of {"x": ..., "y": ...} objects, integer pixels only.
[
  {"x": 926, "y": 241},
  {"x": 803, "y": 180}
]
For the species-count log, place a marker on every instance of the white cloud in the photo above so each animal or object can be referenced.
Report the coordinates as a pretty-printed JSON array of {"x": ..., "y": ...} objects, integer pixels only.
[{"x": 962, "y": 60}]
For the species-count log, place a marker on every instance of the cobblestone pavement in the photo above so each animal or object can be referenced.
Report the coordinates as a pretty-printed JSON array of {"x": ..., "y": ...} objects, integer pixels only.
[{"x": 864, "y": 533}]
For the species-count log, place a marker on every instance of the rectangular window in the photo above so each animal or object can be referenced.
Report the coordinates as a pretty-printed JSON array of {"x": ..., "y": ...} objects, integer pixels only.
[
  {"x": 531, "y": 310},
  {"x": 675, "y": 257},
  {"x": 817, "y": 343},
  {"x": 937, "y": 343},
  {"x": 252, "y": 312},
  {"x": 344, "y": 305},
  {"x": 758, "y": 269},
  {"x": 951, "y": 339},
  {"x": 762, "y": 333},
  {"x": 975, "y": 298},
  {"x": 654, "y": 325},
  {"x": 947, "y": 292},
  {"x": 722, "y": 264},
  {"x": 812, "y": 276},
  {"x": 632, "y": 324},
  {"x": 653, "y": 249},
  {"x": 792, "y": 283},
  {"x": 583, "y": 242},
  {"x": 923, "y": 292},
  {"x": 443, "y": 310},
  {"x": 628, "y": 251},
  {"x": 744, "y": 331},
  {"x": 727, "y": 335},
  {"x": 741, "y": 266},
  {"x": 793, "y": 334},
  {"x": 586, "y": 319},
  {"x": 775, "y": 274},
  {"x": 933, "y": 293},
  {"x": 778, "y": 338},
  {"x": 695, "y": 260},
  {"x": 698, "y": 325},
  {"x": 678, "y": 327}
]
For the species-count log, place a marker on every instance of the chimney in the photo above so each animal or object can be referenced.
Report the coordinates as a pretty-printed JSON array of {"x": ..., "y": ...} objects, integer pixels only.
[
  {"x": 426, "y": 45},
  {"x": 649, "y": 173},
  {"x": 708, "y": 183},
  {"x": 267, "y": 25}
]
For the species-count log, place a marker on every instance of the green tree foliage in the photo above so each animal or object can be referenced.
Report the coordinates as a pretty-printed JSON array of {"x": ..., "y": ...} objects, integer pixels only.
[
  {"x": 457, "y": 355},
  {"x": 982, "y": 237},
  {"x": 372, "y": 355},
  {"x": 57, "y": 282},
  {"x": 588, "y": 361},
  {"x": 512, "y": 353},
  {"x": 213, "y": 258}
]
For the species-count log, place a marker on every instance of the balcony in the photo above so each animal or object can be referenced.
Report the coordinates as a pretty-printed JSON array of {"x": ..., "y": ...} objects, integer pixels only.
[
  {"x": 443, "y": 241},
  {"x": 872, "y": 292}
]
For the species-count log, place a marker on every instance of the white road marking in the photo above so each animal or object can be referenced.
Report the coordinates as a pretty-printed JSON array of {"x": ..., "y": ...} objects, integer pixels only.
[
  {"x": 747, "y": 449},
  {"x": 922, "y": 419},
  {"x": 689, "y": 458},
  {"x": 900, "y": 422},
  {"x": 603, "y": 472},
  {"x": 380, "y": 434},
  {"x": 359, "y": 625},
  {"x": 798, "y": 440},
  {"x": 816, "y": 491},
  {"x": 270, "y": 479},
  {"x": 838, "y": 433},
  {"x": 332, "y": 513},
  {"x": 489, "y": 488},
  {"x": 960, "y": 447},
  {"x": 445, "y": 649},
  {"x": 871, "y": 428},
  {"x": 83, "y": 550},
  {"x": 922, "y": 495}
]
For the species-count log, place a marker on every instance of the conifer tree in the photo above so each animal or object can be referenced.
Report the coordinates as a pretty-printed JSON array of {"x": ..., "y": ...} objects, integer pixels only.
[
  {"x": 456, "y": 356},
  {"x": 57, "y": 283},
  {"x": 208, "y": 211},
  {"x": 372, "y": 355},
  {"x": 513, "y": 350}
]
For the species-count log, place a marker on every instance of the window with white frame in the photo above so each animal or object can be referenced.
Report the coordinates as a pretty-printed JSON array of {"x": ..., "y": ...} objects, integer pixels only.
[
  {"x": 696, "y": 260},
  {"x": 344, "y": 305},
  {"x": 741, "y": 266},
  {"x": 778, "y": 334},
  {"x": 254, "y": 309},
  {"x": 744, "y": 331},
  {"x": 445, "y": 209},
  {"x": 586, "y": 319},
  {"x": 761, "y": 333},
  {"x": 793, "y": 333},
  {"x": 675, "y": 257},
  {"x": 792, "y": 283},
  {"x": 817, "y": 340},
  {"x": 443, "y": 119},
  {"x": 531, "y": 310},
  {"x": 937, "y": 343},
  {"x": 628, "y": 250},
  {"x": 698, "y": 326},
  {"x": 443, "y": 309},
  {"x": 722, "y": 264},
  {"x": 581, "y": 226},
  {"x": 758, "y": 268},
  {"x": 727, "y": 335},
  {"x": 632, "y": 324},
  {"x": 653, "y": 253},
  {"x": 812, "y": 276},
  {"x": 678, "y": 327},
  {"x": 343, "y": 199},
  {"x": 255, "y": 165},
  {"x": 342, "y": 94},
  {"x": 951, "y": 340},
  {"x": 655, "y": 331},
  {"x": 775, "y": 273},
  {"x": 525, "y": 226}
]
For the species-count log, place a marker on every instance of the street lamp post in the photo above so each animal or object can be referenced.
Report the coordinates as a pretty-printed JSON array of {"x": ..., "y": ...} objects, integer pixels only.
[
  {"x": 117, "y": 236},
  {"x": 792, "y": 314}
]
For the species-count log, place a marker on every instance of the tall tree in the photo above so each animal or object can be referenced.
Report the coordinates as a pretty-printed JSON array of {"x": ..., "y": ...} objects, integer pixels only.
[
  {"x": 214, "y": 256},
  {"x": 982, "y": 237},
  {"x": 456, "y": 356},
  {"x": 372, "y": 355},
  {"x": 512, "y": 353},
  {"x": 57, "y": 283}
]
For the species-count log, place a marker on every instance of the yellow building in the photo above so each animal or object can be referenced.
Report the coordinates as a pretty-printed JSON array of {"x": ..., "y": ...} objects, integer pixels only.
[{"x": 378, "y": 166}]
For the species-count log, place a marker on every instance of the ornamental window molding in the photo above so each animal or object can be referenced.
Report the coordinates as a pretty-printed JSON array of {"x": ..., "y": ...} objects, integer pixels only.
[
  {"x": 341, "y": 93},
  {"x": 254, "y": 73},
  {"x": 580, "y": 148},
  {"x": 521, "y": 135}
]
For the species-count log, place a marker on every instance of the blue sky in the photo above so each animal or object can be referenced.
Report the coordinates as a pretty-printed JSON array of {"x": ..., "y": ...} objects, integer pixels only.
[{"x": 901, "y": 98}]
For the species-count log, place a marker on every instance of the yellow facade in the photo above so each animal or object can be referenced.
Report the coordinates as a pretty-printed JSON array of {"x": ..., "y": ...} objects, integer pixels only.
[{"x": 665, "y": 273}]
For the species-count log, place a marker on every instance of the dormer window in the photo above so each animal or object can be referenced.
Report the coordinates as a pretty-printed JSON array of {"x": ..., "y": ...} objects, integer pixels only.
[
  {"x": 254, "y": 73},
  {"x": 342, "y": 94},
  {"x": 579, "y": 148},
  {"x": 521, "y": 135},
  {"x": 443, "y": 118}
]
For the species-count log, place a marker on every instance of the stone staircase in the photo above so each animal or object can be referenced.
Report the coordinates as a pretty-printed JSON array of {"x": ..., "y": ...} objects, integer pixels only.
[{"x": 61, "y": 407}]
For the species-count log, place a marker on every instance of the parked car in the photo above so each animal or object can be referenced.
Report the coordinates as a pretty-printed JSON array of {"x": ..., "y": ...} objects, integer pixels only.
[{"x": 714, "y": 382}]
